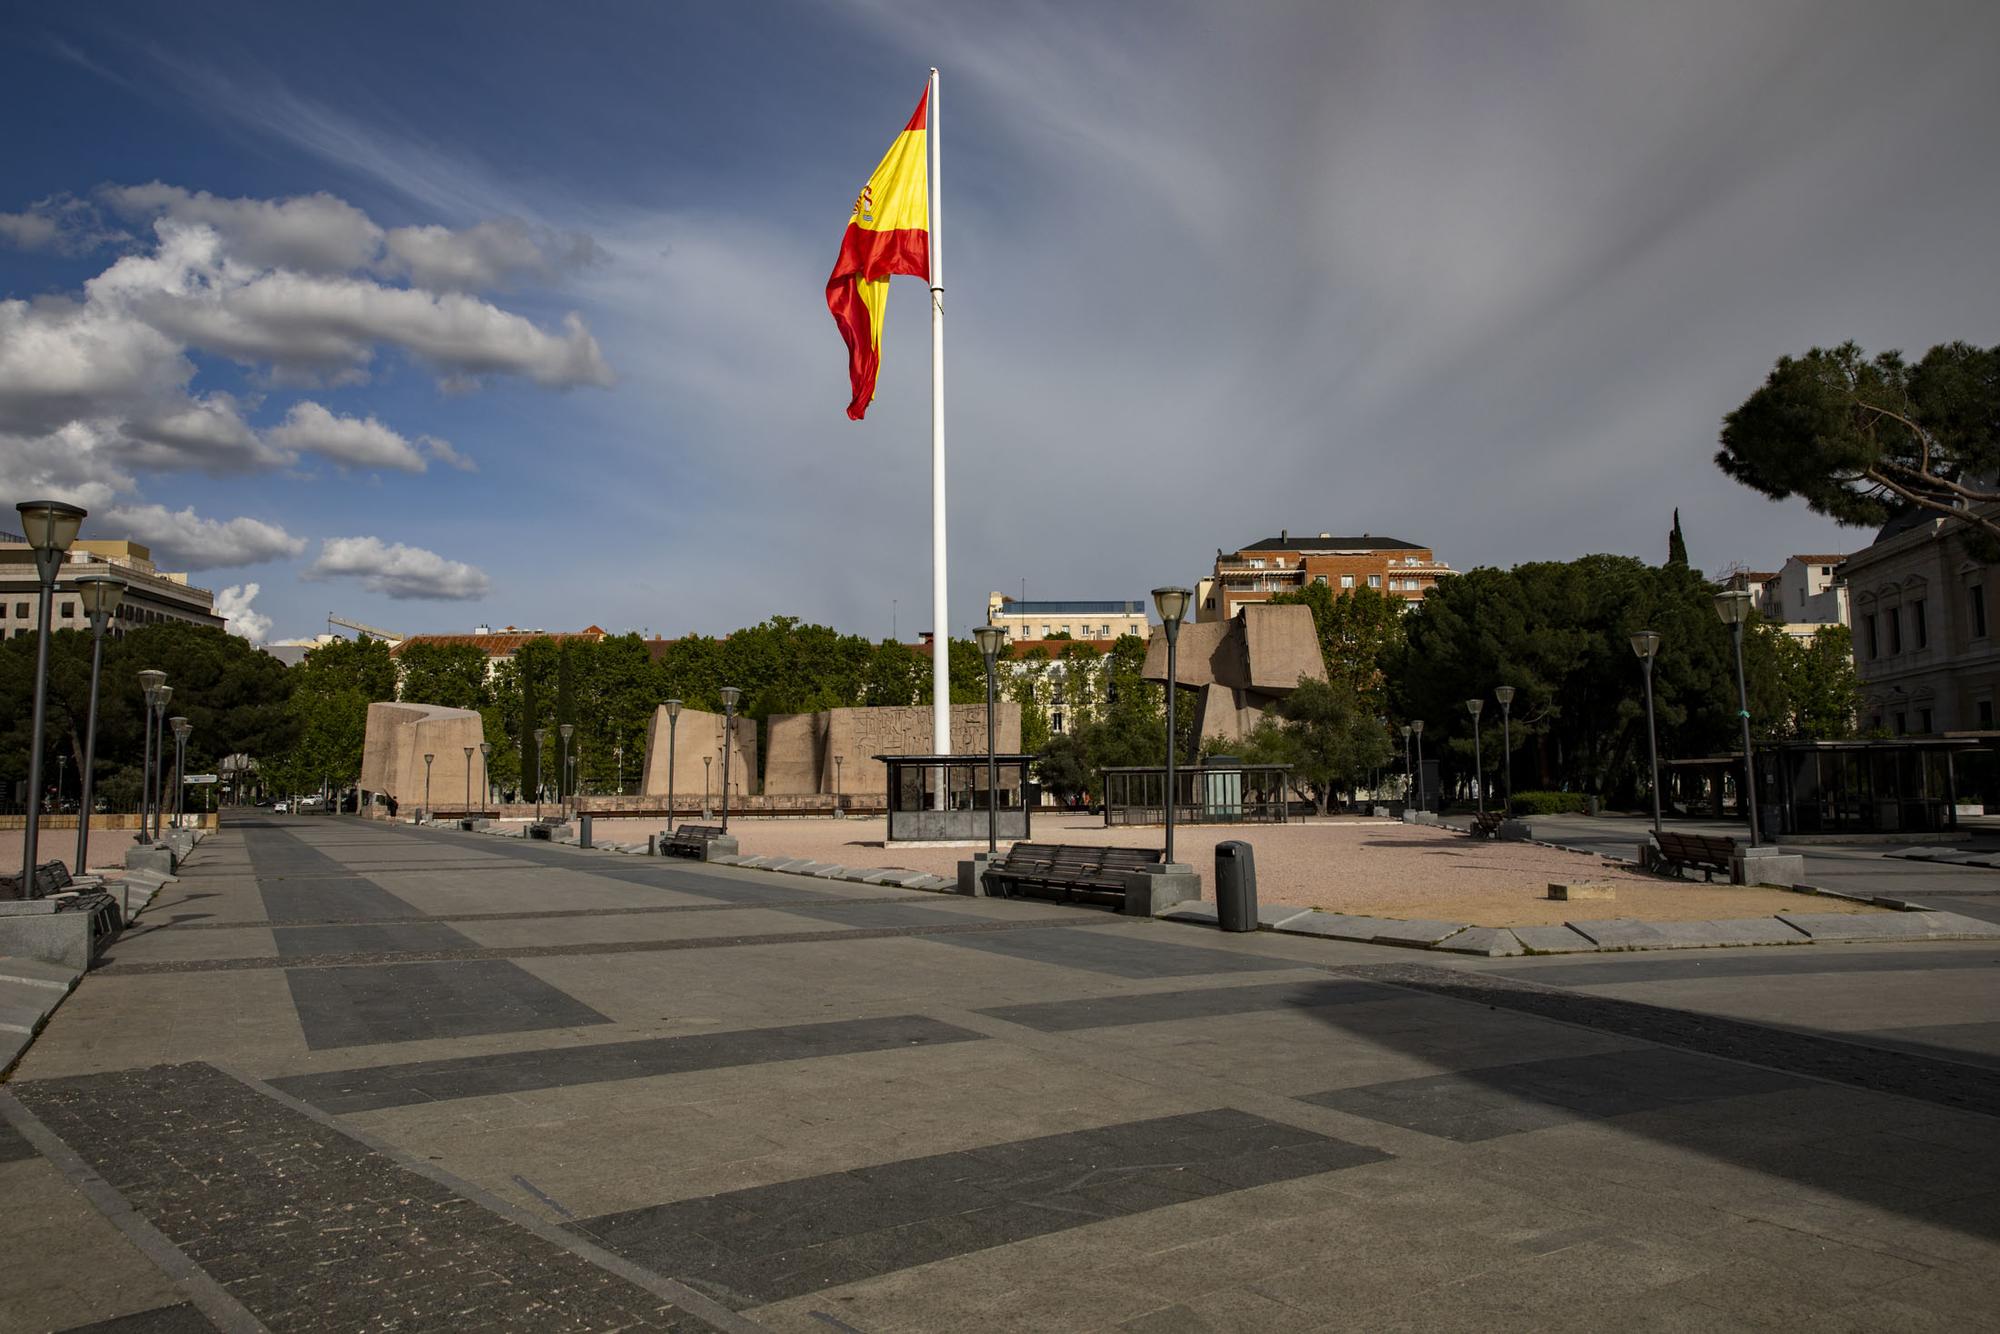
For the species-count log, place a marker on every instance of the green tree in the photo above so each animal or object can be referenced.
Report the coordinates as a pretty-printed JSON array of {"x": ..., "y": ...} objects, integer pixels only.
[
  {"x": 1817, "y": 692},
  {"x": 452, "y": 675},
  {"x": 1860, "y": 438},
  {"x": 1329, "y": 736},
  {"x": 1360, "y": 632}
]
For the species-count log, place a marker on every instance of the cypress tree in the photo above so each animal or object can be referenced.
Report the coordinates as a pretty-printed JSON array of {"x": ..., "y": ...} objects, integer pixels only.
[{"x": 1677, "y": 547}]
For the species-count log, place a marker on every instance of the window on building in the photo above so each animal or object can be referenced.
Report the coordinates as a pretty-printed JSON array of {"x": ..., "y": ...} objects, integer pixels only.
[
  {"x": 1256, "y": 564},
  {"x": 1320, "y": 579},
  {"x": 1924, "y": 721},
  {"x": 1894, "y": 616},
  {"x": 67, "y": 610},
  {"x": 1985, "y": 710},
  {"x": 1870, "y": 636},
  {"x": 20, "y": 612},
  {"x": 1374, "y": 581},
  {"x": 1902, "y": 724},
  {"x": 1347, "y": 581},
  {"x": 1975, "y": 602},
  {"x": 1056, "y": 721},
  {"x": 1920, "y": 629}
]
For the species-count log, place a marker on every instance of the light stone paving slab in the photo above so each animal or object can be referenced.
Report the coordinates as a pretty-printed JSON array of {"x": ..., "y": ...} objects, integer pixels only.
[
  {"x": 1420, "y": 933},
  {"x": 1335, "y": 926},
  {"x": 1892, "y": 926},
  {"x": 1553, "y": 940},
  {"x": 1625, "y": 933},
  {"x": 1492, "y": 942},
  {"x": 1197, "y": 911},
  {"x": 1271, "y": 916}
]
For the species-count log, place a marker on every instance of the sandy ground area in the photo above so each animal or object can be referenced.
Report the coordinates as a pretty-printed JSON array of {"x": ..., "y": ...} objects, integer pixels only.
[
  {"x": 107, "y": 848},
  {"x": 1379, "y": 868}
]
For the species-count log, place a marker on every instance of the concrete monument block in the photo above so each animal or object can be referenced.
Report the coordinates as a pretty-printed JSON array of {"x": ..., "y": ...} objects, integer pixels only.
[
  {"x": 399, "y": 735},
  {"x": 698, "y": 734},
  {"x": 1160, "y": 889},
  {"x": 1766, "y": 865},
  {"x": 1242, "y": 666},
  {"x": 803, "y": 745}
]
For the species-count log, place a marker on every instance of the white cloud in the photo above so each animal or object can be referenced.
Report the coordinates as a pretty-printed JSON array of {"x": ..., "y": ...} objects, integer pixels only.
[
  {"x": 232, "y": 604},
  {"x": 316, "y": 233},
  {"x": 359, "y": 442},
  {"x": 398, "y": 571},
  {"x": 62, "y": 223},
  {"x": 198, "y": 434},
  {"x": 185, "y": 540},
  {"x": 62, "y": 360},
  {"x": 487, "y": 255},
  {"x": 442, "y": 451}
]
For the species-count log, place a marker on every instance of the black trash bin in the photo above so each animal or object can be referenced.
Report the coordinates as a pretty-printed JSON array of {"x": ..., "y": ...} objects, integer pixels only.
[
  {"x": 1235, "y": 886},
  {"x": 583, "y": 830}
]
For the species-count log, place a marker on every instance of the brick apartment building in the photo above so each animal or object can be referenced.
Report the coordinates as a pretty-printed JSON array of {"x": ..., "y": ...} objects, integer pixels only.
[{"x": 1285, "y": 563}]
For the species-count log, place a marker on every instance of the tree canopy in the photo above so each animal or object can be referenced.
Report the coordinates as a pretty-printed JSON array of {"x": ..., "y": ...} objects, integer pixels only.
[{"x": 1859, "y": 438}]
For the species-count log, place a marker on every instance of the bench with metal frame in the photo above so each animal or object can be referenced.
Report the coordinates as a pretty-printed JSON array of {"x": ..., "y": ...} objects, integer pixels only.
[
  {"x": 1487, "y": 824},
  {"x": 690, "y": 840},
  {"x": 1707, "y": 853},
  {"x": 1069, "y": 871}
]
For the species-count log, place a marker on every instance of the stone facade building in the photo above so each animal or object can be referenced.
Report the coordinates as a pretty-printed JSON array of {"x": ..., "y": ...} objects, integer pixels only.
[
  {"x": 1925, "y": 642},
  {"x": 1079, "y": 619},
  {"x": 151, "y": 595},
  {"x": 1288, "y": 563}
]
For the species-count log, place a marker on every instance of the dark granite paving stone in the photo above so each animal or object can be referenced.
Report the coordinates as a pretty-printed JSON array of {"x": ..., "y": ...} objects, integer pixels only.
[
  {"x": 14, "y": 1146},
  {"x": 1741, "y": 963},
  {"x": 183, "y": 1318},
  {"x": 312, "y": 898},
  {"x": 372, "y": 1087},
  {"x": 1950, "y": 1083},
  {"x": 296, "y": 942},
  {"x": 1508, "y": 1099},
  {"x": 369, "y": 1004},
  {"x": 311, "y": 1230},
  {"x": 750, "y": 1247},
  {"x": 1118, "y": 955},
  {"x": 1973, "y": 1044},
  {"x": 1165, "y": 1006}
]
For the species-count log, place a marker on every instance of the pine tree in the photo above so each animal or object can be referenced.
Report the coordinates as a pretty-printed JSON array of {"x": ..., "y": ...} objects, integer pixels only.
[{"x": 1677, "y": 547}]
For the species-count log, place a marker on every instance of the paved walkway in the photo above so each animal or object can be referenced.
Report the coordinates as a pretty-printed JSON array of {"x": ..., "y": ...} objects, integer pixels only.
[{"x": 351, "y": 1075}]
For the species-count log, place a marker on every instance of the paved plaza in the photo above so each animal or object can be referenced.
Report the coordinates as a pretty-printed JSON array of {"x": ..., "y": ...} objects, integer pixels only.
[{"x": 349, "y": 1075}]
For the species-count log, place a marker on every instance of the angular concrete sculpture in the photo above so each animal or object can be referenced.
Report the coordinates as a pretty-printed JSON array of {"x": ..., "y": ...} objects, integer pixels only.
[
  {"x": 802, "y": 746},
  {"x": 698, "y": 734},
  {"x": 398, "y": 738},
  {"x": 1241, "y": 666}
]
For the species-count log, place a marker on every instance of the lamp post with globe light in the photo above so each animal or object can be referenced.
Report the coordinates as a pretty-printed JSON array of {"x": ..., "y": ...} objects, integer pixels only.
[
  {"x": 468, "y": 782},
  {"x": 673, "y": 707},
  {"x": 1172, "y": 604},
  {"x": 50, "y": 527},
  {"x": 990, "y": 638},
  {"x": 151, "y": 682},
  {"x": 181, "y": 728},
  {"x": 1505, "y": 694},
  {"x": 541, "y": 762},
  {"x": 485, "y": 775},
  {"x": 1646, "y": 645},
  {"x": 565, "y": 775},
  {"x": 1423, "y": 796},
  {"x": 425, "y": 814},
  {"x": 1475, "y": 707},
  {"x": 100, "y": 595},
  {"x": 1733, "y": 606},
  {"x": 730, "y": 696}
]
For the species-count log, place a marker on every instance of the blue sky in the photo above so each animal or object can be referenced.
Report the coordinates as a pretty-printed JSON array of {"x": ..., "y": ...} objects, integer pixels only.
[{"x": 436, "y": 314}]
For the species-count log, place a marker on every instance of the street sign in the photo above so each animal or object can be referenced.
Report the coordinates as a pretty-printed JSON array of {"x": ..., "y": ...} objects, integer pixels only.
[{"x": 199, "y": 778}]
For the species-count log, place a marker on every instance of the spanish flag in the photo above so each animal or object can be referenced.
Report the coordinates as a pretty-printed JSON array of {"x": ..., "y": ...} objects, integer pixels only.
[{"x": 888, "y": 232}]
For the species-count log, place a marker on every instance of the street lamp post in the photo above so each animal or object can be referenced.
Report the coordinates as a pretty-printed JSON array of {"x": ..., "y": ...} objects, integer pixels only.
[
  {"x": 989, "y": 638},
  {"x": 50, "y": 526},
  {"x": 150, "y": 684},
  {"x": 618, "y": 752},
  {"x": 428, "y": 757},
  {"x": 1475, "y": 707},
  {"x": 541, "y": 760},
  {"x": 839, "y": 790},
  {"x": 1172, "y": 604},
  {"x": 565, "y": 776},
  {"x": 730, "y": 694},
  {"x": 706, "y": 760},
  {"x": 673, "y": 737},
  {"x": 1505, "y": 694},
  {"x": 181, "y": 727},
  {"x": 1409, "y": 774},
  {"x": 100, "y": 595},
  {"x": 468, "y": 782},
  {"x": 1646, "y": 644},
  {"x": 166, "y": 694},
  {"x": 1423, "y": 796},
  {"x": 1733, "y": 606},
  {"x": 485, "y": 775}
]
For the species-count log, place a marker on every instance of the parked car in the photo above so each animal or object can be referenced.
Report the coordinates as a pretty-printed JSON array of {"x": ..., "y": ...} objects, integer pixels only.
[{"x": 281, "y": 808}]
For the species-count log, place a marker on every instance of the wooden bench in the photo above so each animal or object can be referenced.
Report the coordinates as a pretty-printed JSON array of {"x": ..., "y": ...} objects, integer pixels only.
[
  {"x": 1069, "y": 871},
  {"x": 690, "y": 840},
  {"x": 1707, "y": 853},
  {"x": 1487, "y": 825}
]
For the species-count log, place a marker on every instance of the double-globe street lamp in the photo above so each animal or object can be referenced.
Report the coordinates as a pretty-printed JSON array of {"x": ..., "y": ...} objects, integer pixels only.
[
  {"x": 181, "y": 727},
  {"x": 1475, "y": 707},
  {"x": 730, "y": 695},
  {"x": 1733, "y": 606},
  {"x": 673, "y": 707},
  {"x": 1646, "y": 645},
  {"x": 100, "y": 595},
  {"x": 990, "y": 638},
  {"x": 50, "y": 527},
  {"x": 1172, "y": 604},
  {"x": 1505, "y": 694}
]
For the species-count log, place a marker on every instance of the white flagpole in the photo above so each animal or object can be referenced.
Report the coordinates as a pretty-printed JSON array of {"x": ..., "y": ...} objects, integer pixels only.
[{"x": 940, "y": 619}]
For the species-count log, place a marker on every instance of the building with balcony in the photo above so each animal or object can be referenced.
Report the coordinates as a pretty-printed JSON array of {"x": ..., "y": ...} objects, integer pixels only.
[
  {"x": 151, "y": 595},
  {"x": 1288, "y": 563},
  {"x": 1803, "y": 597},
  {"x": 1083, "y": 619},
  {"x": 1925, "y": 644}
]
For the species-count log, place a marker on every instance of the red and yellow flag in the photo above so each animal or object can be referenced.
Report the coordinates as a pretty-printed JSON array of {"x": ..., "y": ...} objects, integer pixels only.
[{"x": 888, "y": 232}]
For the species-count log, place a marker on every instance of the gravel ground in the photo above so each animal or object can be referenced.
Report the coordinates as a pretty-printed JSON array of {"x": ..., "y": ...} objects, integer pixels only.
[
  {"x": 107, "y": 848},
  {"x": 1379, "y": 868}
]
